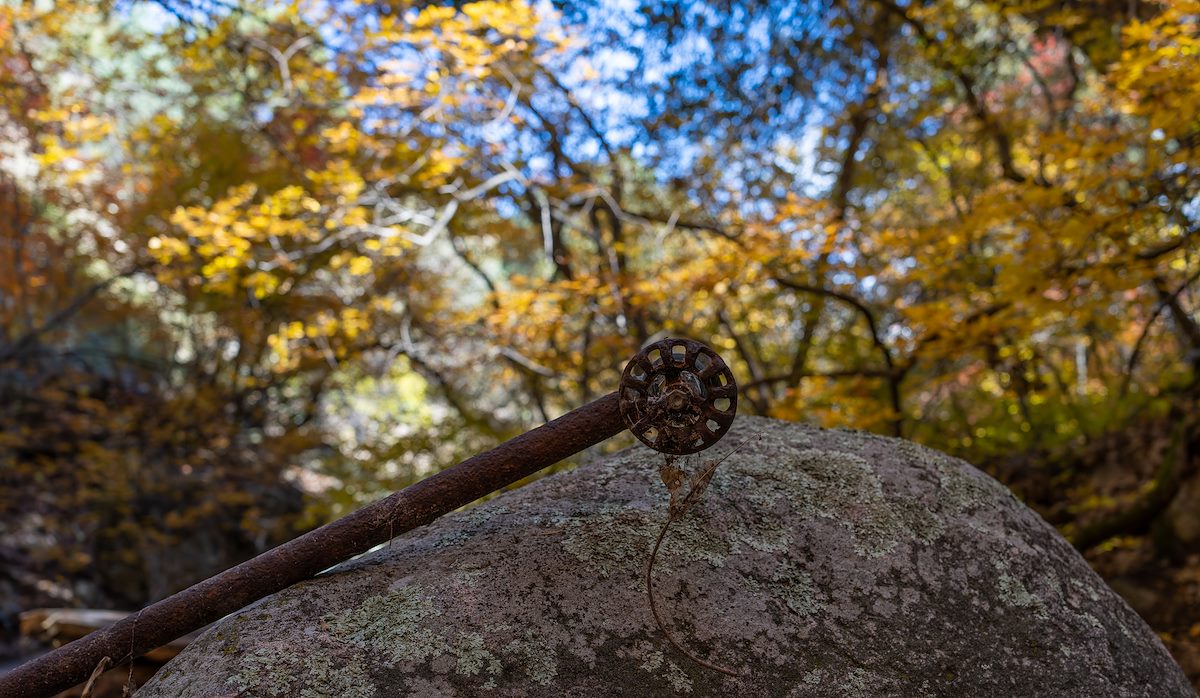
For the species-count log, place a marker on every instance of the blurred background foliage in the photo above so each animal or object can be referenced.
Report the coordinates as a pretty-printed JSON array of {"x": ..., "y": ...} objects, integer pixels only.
[{"x": 261, "y": 263}]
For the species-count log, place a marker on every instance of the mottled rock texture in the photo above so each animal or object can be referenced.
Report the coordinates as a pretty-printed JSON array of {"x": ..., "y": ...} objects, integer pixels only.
[{"x": 822, "y": 563}]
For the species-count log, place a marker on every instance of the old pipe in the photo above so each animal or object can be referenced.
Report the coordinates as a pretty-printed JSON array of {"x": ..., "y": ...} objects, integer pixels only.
[{"x": 641, "y": 403}]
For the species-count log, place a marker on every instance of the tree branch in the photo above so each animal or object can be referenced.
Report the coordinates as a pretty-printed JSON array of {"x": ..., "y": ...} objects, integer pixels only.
[
  {"x": 63, "y": 315},
  {"x": 1142, "y": 513},
  {"x": 894, "y": 375}
]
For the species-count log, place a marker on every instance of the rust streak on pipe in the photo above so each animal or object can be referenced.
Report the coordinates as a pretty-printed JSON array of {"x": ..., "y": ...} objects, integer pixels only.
[{"x": 304, "y": 557}]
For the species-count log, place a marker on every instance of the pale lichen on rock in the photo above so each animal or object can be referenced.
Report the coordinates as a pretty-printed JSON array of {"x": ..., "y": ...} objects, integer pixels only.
[
  {"x": 473, "y": 656},
  {"x": 823, "y": 563},
  {"x": 392, "y": 623}
]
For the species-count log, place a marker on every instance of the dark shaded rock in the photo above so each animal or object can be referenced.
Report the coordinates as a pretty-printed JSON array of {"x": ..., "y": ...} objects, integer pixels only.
[{"x": 824, "y": 563}]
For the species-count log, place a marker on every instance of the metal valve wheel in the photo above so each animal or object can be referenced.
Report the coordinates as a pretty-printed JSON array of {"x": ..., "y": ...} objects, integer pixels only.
[{"x": 678, "y": 396}]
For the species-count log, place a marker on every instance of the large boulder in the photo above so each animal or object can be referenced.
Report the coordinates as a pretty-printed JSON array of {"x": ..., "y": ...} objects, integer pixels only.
[{"x": 819, "y": 563}]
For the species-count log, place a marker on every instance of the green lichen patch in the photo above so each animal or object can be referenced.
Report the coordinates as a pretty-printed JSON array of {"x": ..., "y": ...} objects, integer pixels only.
[
  {"x": 796, "y": 589},
  {"x": 391, "y": 625},
  {"x": 475, "y": 517},
  {"x": 613, "y": 540},
  {"x": 857, "y": 684},
  {"x": 539, "y": 659},
  {"x": 766, "y": 536},
  {"x": 963, "y": 491},
  {"x": 839, "y": 486},
  {"x": 1014, "y": 593},
  {"x": 473, "y": 656},
  {"x": 450, "y": 538},
  {"x": 269, "y": 671},
  {"x": 691, "y": 540},
  {"x": 655, "y": 662},
  {"x": 260, "y": 671}
]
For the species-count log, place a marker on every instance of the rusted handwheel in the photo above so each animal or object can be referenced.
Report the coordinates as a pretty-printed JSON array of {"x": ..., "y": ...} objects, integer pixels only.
[{"x": 678, "y": 396}]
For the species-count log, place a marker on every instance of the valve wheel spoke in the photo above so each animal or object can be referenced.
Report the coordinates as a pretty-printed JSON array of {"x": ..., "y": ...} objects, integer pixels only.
[{"x": 670, "y": 393}]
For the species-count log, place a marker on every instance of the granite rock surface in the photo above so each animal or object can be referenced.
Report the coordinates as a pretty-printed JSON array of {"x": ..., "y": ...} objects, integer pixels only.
[{"x": 818, "y": 563}]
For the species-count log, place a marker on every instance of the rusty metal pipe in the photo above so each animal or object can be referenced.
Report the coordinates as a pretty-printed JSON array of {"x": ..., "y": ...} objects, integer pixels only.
[{"x": 304, "y": 557}]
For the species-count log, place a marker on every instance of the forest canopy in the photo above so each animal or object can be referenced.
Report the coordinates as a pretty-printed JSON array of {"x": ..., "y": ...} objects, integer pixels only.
[{"x": 262, "y": 262}]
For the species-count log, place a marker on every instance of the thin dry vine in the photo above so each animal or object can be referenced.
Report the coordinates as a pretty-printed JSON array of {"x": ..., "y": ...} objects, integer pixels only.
[
  {"x": 673, "y": 477},
  {"x": 91, "y": 682}
]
